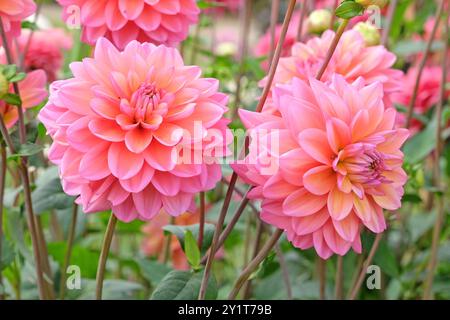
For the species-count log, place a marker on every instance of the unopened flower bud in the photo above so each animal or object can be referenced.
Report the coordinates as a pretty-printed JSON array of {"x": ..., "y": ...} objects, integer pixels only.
[
  {"x": 370, "y": 33},
  {"x": 368, "y": 3},
  {"x": 319, "y": 20},
  {"x": 4, "y": 85}
]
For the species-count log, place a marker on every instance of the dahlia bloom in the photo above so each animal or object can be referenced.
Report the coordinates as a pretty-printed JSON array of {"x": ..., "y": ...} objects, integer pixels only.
[
  {"x": 328, "y": 173},
  {"x": 352, "y": 59},
  {"x": 427, "y": 93},
  {"x": 13, "y": 12},
  {"x": 121, "y": 21},
  {"x": 126, "y": 126},
  {"x": 45, "y": 50},
  {"x": 32, "y": 92}
]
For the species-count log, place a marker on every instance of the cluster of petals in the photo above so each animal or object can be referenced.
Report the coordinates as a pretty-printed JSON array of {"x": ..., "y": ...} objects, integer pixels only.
[
  {"x": 327, "y": 164},
  {"x": 12, "y": 12},
  {"x": 32, "y": 92},
  {"x": 121, "y": 21},
  {"x": 352, "y": 59},
  {"x": 136, "y": 131},
  {"x": 44, "y": 50}
]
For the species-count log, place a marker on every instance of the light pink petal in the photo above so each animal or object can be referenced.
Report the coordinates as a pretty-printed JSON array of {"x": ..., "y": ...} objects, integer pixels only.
[
  {"x": 339, "y": 203},
  {"x": 123, "y": 163},
  {"x": 302, "y": 203},
  {"x": 319, "y": 180}
]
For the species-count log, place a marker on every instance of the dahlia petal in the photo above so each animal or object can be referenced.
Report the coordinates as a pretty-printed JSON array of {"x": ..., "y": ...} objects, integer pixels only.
[
  {"x": 147, "y": 202},
  {"x": 107, "y": 130},
  {"x": 178, "y": 204},
  {"x": 126, "y": 211},
  {"x": 315, "y": 143},
  {"x": 309, "y": 224},
  {"x": 347, "y": 228},
  {"x": 123, "y": 163},
  {"x": 319, "y": 180},
  {"x": 140, "y": 181},
  {"x": 94, "y": 163},
  {"x": 161, "y": 157},
  {"x": 302, "y": 203},
  {"x": 166, "y": 183},
  {"x": 138, "y": 139},
  {"x": 131, "y": 9},
  {"x": 339, "y": 203}
]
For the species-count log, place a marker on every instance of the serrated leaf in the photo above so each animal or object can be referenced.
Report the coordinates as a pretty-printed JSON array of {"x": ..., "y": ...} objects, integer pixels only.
[
  {"x": 184, "y": 285},
  {"x": 191, "y": 250},
  {"x": 349, "y": 9}
]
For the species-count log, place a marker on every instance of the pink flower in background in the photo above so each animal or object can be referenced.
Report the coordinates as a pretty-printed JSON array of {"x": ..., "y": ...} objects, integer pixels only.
[
  {"x": 12, "y": 12},
  {"x": 338, "y": 165},
  {"x": 123, "y": 126},
  {"x": 352, "y": 59},
  {"x": 263, "y": 46},
  {"x": 32, "y": 92},
  {"x": 121, "y": 21},
  {"x": 45, "y": 50},
  {"x": 427, "y": 94}
]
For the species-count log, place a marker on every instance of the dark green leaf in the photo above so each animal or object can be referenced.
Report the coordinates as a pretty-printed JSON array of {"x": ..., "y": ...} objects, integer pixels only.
[
  {"x": 420, "y": 145},
  {"x": 12, "y": 99},
  {"x": 153, "y": 271},
  {"x": 27, "y": 149},
  {"x": 386, "y": 260},
  {"x": 7, "y": 254},
  {"x": 184, "y": 285},
  {"x": 29, "y": 25}
]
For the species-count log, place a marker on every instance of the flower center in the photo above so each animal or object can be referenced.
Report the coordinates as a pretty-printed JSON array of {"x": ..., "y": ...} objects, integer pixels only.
[{"x": 145, "y": 101}]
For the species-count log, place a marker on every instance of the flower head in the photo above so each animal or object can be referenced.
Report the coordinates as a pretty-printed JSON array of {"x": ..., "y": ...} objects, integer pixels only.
[
  {"x": 121, "y": 21},
  {"x": 32, "y": 92},
  {"x": 352, "y": 59},
  {"x": 13, "y": 12},
  {"x": 45, "y": 50},
  {"x": 137, "y": 130},
  {"x": 338, "y": 165}
]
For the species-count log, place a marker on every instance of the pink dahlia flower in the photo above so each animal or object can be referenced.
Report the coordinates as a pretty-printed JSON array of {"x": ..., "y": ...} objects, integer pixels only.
[
  {"x": 428, "y": 92},
  {"x": 352, "y": 59},
  {"x": 45, "y": 50},
  {"x": 121, "y": 21},
  {"x": 12, "y": 12},
  {"x": 32, "y": 92},
  {"x": 135, "y": 131},
  {"x": 324, "y": 175}
]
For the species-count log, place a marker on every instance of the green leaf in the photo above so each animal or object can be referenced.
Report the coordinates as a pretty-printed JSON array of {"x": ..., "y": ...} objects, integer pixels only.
[
  {"x": 179, "y": 232},
  {"x": 27, "y": 149},
  {"x": 9, "y": 70},
  {"x": 386, "y": 260},
  {"x": 18, "y": 77},
  {"x": 191, "y": 249},
  {"x": 153, "y": 270},
  {"x": 184, "y": 285},
  {"x": 7, "y": 254},
  {"x": 349, "y": 9},
  {"x": 29, "y": 25},
  {"x": 12, "y": 99},
  {"x": 49, "y": 193},
  {"x": 82, "y": 257},
  {"x": 420, "y": 145}
]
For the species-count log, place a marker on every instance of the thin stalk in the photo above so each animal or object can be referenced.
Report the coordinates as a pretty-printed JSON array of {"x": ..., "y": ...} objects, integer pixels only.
[
  {"x": 322, "y": 268},
  {"x": 423, "y": 61},
  {"x": 201, "y": 228},
  {"x": 167, "y": 243},
  {"x": 251, "y": 267},
  {"x": 339, "y": 287},
  {"x": 389, "y": 18},
  {"x": 273, "y": 24},
  {"x": 365, "y": 265},
  {"x": 245, "y": 18},
  {"x": 303, "y": 10},
  {"x": 428, "y": 293},
  {"x": 215, "y": 240},
  {"x": 44, "y": 259},
  {"x": 70, "y": 239},
  {"x": 256, "y": 246},
  {"x": 333, "y": 16},
  {"x": 332, "y": 48},
  {"x": 284, "y": 271},
  {"x": 2, "y": 194},
  {"x": 230, "y": 225},
  {"x": 30, "y": 37},
  {"x": 242, "y": 194},
  {"x": 276, "y": 56},
  {"x": 104, "y": 256}
]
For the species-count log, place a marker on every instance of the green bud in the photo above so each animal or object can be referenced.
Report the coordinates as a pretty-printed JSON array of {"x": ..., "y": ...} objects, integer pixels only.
[
  {"x": 319, "y": 21},
  {"x": 370, "y": 33}
]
